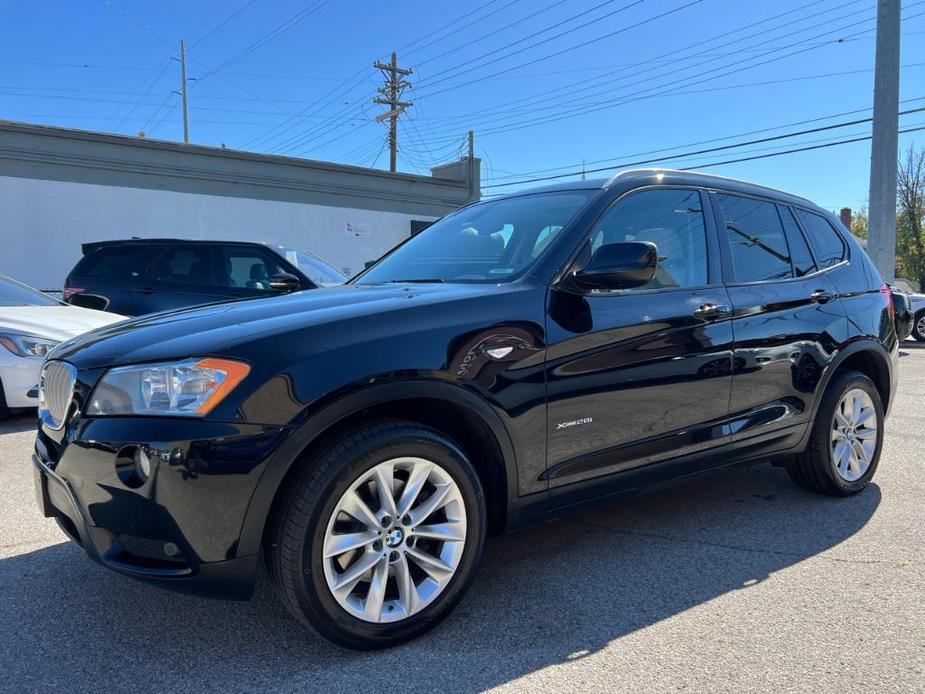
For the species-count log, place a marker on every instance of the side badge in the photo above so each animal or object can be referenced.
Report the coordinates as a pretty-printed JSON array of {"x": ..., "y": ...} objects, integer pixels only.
[{"x": 574, "y": 423}]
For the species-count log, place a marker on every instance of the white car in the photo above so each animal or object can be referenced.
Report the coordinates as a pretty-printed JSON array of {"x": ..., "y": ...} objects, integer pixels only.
[{"x": 31, "y": 323}]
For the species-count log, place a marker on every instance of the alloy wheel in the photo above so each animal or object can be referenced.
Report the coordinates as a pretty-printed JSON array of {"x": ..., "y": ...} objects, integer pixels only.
[
  {"x": 394, "y": 540},
  {"x": 854, "y": 434}
]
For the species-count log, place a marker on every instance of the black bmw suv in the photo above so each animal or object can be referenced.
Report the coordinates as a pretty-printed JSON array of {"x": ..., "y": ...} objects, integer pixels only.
[{"x": 521, "y": 355}]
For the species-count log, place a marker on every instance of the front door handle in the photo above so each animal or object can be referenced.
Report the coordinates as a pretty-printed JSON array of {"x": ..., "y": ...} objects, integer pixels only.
[
  {"x": 821, "y": 296},
  {"x": 711, "y": 311}
]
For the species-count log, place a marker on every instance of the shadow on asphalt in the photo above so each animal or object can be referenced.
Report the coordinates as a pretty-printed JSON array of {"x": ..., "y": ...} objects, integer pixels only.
[
  {"x": 545, "y": 595},
  {"x": 18, "y": 423}
]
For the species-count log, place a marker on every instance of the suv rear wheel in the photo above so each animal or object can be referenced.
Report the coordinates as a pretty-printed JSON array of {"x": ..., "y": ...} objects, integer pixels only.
[
  {"x": 918, "y": 326},
  {"x": 380, "y": 536},
  {"x": 844, "y": 446}
]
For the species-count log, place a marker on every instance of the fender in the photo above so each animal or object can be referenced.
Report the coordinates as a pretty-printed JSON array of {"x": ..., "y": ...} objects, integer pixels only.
[
  {"x": 304, "y": 435},
  {"x": 862, "y": 344}
]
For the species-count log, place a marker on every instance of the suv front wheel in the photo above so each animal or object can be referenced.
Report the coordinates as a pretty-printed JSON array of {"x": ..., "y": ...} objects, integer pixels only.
[
  {"x": 380, "y": 536},
  {"x": 844, "y": 446}
]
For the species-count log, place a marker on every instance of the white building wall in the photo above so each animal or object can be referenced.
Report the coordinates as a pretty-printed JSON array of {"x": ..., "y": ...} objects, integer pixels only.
[{"x": 44, "y": 222}]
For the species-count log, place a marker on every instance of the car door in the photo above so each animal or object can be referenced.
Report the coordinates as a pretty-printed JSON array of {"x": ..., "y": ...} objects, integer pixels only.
[
  {"x": 785, "y": 317},
  {"x": 180, "y": 275},
  {"x": 641, "y": 375}
]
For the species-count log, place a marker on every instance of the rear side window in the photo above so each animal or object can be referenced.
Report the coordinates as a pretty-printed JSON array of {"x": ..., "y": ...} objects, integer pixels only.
[
  {"x": 802, "y": 259},
  {"x": 184, "y": 265},
  {"x": 105, "y": 262},
  {"x": 756, "y": 238},
  {"x": 826, "y": 243}
]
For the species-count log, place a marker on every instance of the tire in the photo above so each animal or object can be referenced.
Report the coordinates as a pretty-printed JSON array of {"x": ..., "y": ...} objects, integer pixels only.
[
  {"x": 918, "y": 326},
  {"x": 311, "y": 512},
  {"x": 816, "y": 469}
]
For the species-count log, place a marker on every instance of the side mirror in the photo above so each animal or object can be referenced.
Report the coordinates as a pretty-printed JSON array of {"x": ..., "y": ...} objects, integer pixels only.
[
  {"x": 284, "y": 282},
  {"x": 619, "y": 266}
]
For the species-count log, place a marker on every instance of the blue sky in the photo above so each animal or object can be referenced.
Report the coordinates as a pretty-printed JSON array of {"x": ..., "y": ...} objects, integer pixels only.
[{"x": 545, "y": 84}]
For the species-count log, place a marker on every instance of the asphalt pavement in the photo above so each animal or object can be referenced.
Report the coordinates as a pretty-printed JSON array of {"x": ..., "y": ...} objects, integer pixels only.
[{"x": 737, "y": 581}]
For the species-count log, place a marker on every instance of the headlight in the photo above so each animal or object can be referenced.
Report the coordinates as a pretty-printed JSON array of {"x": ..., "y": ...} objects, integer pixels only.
[
  {"x": 26, "y": 345},
  {"x": 190, "y": 388}
]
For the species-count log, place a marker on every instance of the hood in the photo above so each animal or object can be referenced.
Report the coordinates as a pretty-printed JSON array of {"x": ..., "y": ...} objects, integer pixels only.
[
  {"x": 53, "y": 322},
  {"x": 217, "y": 329}
]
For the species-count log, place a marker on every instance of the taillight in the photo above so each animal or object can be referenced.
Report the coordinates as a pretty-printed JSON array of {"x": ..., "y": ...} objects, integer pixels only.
[
  {"x": 71, "y": 291},
  {"x": 888, "y": 297}
]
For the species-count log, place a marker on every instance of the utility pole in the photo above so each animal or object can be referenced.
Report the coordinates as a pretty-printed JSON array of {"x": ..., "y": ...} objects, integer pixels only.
[
  {"x": 884, "y": 146},
  {"x": 391, "y": 93},
  {"x": 183, "y": 91},
  {"x": 471, "y": 164}
]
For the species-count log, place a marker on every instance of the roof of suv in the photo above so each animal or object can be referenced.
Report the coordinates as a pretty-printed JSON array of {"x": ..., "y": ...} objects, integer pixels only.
[
  {"x": 677, "y": 177},
  {"x": 94, "y": 245}
]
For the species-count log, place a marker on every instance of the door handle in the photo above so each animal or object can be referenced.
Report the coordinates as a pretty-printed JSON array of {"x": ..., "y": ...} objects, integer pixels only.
[
  {"x": 145, "y": 290},
  {"x": 710, "y": 311},
  {"x": 821, "y": 296}
]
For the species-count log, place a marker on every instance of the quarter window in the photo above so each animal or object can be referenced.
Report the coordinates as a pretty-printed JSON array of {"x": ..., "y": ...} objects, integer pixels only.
[
  {"x": 672, "y": 219},
  {"x": 802, "y": 259},
  {"x": 756, "y": 238},
  {"x": 826, "y": 243}
]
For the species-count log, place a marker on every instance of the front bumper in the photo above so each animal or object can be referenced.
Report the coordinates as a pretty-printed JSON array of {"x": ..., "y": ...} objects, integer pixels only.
[{"x": 179, "y": 527}]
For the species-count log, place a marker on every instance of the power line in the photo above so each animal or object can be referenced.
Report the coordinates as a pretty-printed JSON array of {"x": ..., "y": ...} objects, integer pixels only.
[
  {"x": 649, "y": 92},
  {"x": 696, "y": 152},
  {"x": 220, "y": 24},
  {"x": 700, "y": 142},
  {"x": 796, "y": 150},
  {"x": 581, "y": 109},
  {"x": 595, "y": 83},
  {"x": 468, "y": 65}
]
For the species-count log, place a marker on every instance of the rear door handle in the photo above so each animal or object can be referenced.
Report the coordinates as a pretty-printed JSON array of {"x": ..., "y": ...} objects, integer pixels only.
[
  {"x": 711, "y": 311},
  {"x": 821, "y": 296}
]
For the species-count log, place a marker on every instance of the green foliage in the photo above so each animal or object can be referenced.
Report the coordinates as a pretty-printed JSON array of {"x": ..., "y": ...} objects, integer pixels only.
[
  {"x": 910, "y": 216},
  {"x": 859, "y": 223}
]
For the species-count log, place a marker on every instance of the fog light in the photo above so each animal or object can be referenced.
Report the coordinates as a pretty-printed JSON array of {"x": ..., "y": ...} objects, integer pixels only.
[
  {"x": 170, "y": 549},
  {"x": 133, "y": 466}
]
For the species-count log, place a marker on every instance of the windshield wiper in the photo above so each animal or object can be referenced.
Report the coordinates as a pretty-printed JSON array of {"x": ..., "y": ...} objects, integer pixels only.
[{"x": 422, "y": 280}]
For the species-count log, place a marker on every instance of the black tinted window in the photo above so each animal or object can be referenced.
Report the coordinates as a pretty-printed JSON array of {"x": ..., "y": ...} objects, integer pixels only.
[
  {"x": 183, "y": 265},
  {"x": 105, "y": 262},
  {"x": 802, "y": 259},
  {"x": 671, "y": 219},
  {"x": 826, "y": 243},
  {"x": 244, "y": 267},
  {"x": 756, "y": 237}
]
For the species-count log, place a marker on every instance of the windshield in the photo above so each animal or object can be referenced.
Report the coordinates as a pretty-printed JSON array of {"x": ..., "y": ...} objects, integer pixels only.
[
  {"x": 314, "y": 268},
  {"x": 12, "y": 293},
  {"x": 488, "y": 242}
]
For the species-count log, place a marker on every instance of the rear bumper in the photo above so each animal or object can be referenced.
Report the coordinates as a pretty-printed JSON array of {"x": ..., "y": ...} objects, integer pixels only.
[{"x": 180, "y": 527}]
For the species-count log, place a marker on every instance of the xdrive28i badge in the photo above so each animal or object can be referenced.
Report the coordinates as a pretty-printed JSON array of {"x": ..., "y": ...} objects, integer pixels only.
[{"x": 574, "y": 423}]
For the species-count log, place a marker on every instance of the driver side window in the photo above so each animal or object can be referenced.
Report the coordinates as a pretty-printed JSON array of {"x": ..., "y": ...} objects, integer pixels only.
[{"x": 670, "y": 218}]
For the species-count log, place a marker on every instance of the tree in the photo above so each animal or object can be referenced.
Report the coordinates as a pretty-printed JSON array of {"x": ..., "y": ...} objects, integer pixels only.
[
  {"x": 859, "y": 223},
  {"x": 910, "y": 216}
]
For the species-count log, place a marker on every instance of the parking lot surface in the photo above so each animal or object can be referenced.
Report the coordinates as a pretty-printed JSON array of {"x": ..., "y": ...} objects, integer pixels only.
[{"x": 737, "y": 581}]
